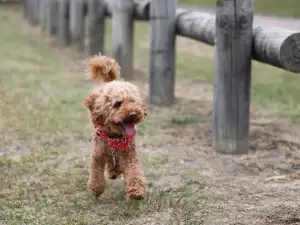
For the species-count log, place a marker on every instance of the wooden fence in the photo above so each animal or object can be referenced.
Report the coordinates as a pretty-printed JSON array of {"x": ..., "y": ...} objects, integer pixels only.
[{"x": 230, "y": 30}]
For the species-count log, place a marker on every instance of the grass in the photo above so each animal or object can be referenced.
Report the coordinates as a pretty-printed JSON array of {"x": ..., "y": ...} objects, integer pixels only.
[
  {"x": 182, "y": 118},
  {"x": 192, "y": 175},
  {"x": 45, "y": 134},
  {"x": 157, "y": 161},
  {"x": 45, "y": 146},
  {"x": 287, "y": 8}
]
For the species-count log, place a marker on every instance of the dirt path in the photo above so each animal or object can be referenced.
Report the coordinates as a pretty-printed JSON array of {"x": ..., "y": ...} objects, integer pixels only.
[{"x": 251, "y": 196}]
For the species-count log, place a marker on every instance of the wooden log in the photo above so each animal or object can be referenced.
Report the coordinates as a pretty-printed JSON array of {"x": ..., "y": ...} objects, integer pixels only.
[
  {"x": 96, "y": 26},
  {"x": 64, "y": 22},
  {"x": 77, "y": 21},
  {"x": 162, "y": 52},
  {"x": 196, "y": 25},
  {"x": 232, "y": 76},
  {"x": 141, "y": 9},
  {"x": 122, "y": 36},
  {"x": 278, "y": 47},
  {"x": 274, "y": 46}
]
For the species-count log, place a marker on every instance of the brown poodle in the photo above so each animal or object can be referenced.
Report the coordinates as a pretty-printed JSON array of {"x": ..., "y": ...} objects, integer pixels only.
[{"x": 116, "y": 108}]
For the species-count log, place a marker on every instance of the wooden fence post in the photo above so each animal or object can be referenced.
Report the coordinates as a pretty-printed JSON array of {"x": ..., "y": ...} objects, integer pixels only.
[
  {"x": 122, "y": 36},
  {"x": 96, "y": 26},
  {"x": 47, "y": 11},
  {"x": 51, "y": 14},
  {"x": 77, "y": 24},
  {"x": 162, "y": 48},
  {"x": 64, "y": 22},
  {"x": 53, "y": 17},
  {"x": 30, "y": 13},
  {"x": 25, "y": 8},
  {"x": 232, "y": 76},
  {"x": 37, "y": 12},
  {"x": 42, "y": 14},
  {"x": 33, "y": 12}
]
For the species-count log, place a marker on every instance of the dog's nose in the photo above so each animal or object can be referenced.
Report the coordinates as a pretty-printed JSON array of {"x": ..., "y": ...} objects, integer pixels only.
[{"x": 131, "y": 114}]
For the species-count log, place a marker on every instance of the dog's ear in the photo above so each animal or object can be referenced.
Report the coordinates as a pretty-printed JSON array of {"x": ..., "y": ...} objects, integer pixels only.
[{"x": 89, "y": 102}]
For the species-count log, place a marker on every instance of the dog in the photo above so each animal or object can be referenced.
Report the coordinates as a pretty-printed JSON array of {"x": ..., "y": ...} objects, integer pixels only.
[{"x": 115, "y": 109}]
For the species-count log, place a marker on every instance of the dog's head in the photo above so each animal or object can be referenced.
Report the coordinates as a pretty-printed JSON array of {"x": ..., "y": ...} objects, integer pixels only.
[{"x": 115, "y": 106}]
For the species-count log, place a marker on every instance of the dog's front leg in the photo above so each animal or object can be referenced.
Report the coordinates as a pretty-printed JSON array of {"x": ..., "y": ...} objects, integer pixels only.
[
  {"x": 134, "y": 184},
  {"x": 96, "y": 177}
]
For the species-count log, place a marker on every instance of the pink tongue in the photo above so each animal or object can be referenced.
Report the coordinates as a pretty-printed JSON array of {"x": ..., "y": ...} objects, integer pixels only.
[{"x": 129, "y": 128}]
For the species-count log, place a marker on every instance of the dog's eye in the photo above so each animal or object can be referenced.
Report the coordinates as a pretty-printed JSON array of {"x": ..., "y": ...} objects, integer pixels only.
[{"x": 118, "y": 105}]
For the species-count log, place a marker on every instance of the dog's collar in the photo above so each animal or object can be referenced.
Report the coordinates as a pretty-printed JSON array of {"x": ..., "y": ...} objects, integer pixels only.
[{"x": 119, "y": 144}]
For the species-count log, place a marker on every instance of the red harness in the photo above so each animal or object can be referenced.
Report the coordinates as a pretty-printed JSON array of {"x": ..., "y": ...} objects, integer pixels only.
[{"x": 119, "y": 144}]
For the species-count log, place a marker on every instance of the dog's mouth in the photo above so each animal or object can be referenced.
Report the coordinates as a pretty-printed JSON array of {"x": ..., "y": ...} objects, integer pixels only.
[{"x": 129, "y": 128}]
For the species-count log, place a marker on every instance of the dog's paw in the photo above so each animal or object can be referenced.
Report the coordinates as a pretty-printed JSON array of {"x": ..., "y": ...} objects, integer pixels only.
[
  {"x": 96, "y": 189},
  {"x": 137, "y": 196},
  {"x": 137, "y": 192}
]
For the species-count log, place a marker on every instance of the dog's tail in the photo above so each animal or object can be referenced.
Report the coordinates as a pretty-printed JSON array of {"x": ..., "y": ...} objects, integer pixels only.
[{"x": 103, "y": 68}]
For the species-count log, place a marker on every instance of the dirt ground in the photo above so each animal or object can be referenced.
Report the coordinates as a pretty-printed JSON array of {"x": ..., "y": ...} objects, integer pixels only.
[{"x": 261, "y": 187}]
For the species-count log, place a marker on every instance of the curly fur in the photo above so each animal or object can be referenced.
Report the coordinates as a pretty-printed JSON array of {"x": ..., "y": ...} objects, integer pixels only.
[
  {"x": 111, "y": 103},
  {"x": 103, "y": 68}
]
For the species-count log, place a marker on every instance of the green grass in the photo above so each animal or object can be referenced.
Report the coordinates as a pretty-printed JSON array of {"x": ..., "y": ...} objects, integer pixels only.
[
  {"x": 182, "y": 118},
  {"x": 289, "y": 8},
  {"x": 192, "y": 175},
  {"x": 157, "y": 161}
]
